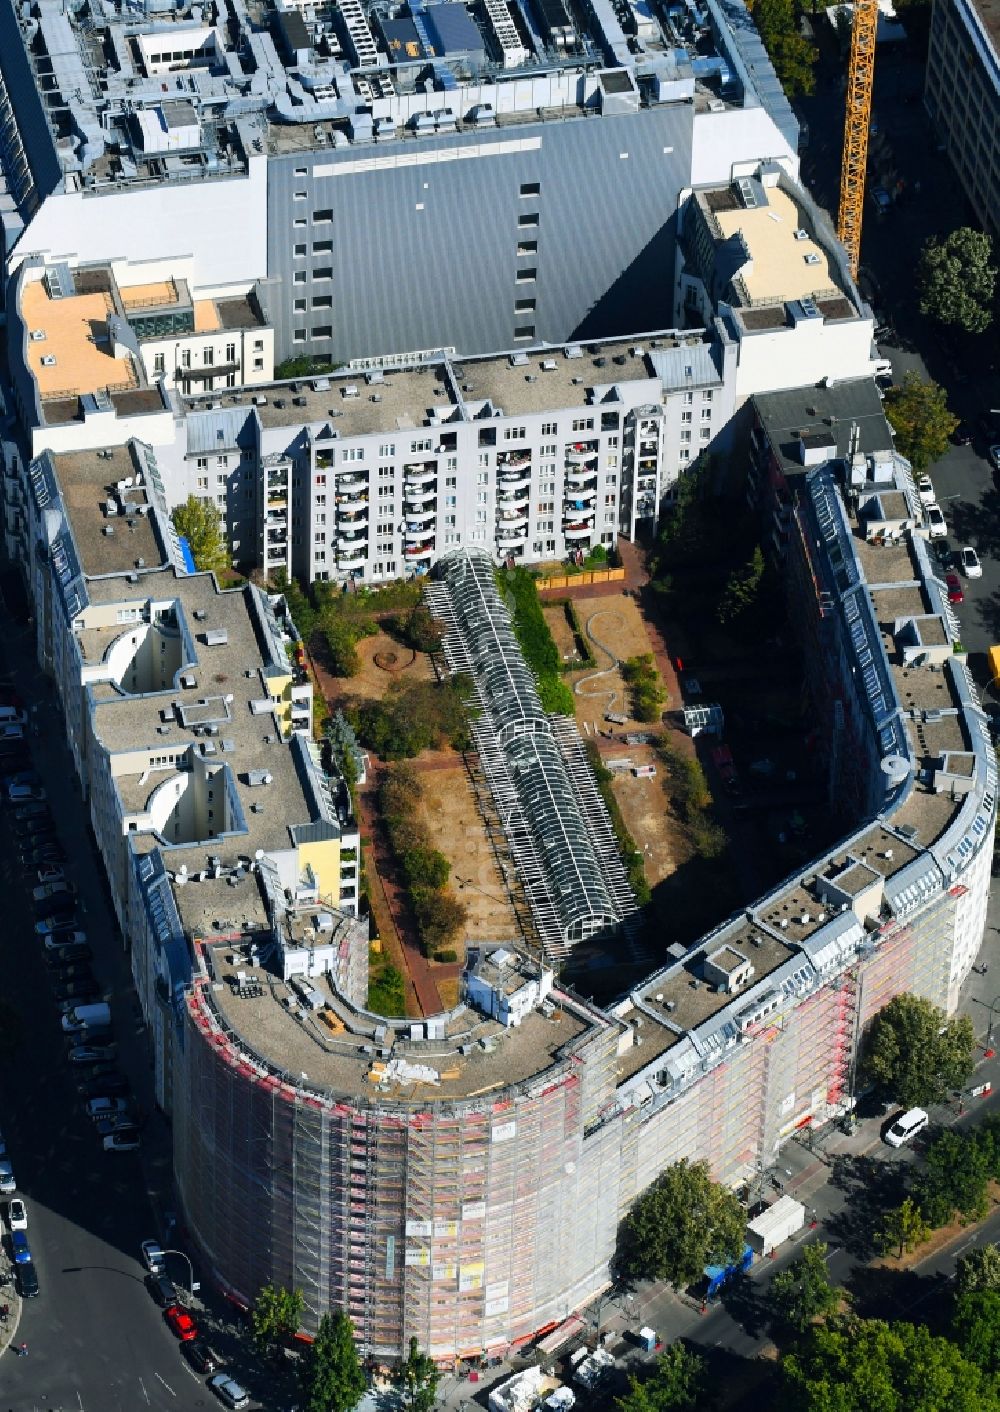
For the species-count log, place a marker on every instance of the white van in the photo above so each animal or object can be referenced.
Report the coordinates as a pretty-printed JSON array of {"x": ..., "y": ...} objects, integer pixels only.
[
  {"x": 86, "y": 1017},
  {"x": 905, "y": 1128},
  {"x": 11, "y": 716}
]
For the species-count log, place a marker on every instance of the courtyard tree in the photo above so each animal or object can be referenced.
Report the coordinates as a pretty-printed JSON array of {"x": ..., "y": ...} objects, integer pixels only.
[
  {"x": 975, "y": 1327},
  {"x": 916, "y": 1053},
  {"x": 957, "y": 281},
  {"x": 742, "y": 589},
  {"x": 275, "y": 1317},
  {"x": 676, "y": 1384},
  {"x": 790, "y": 52},
  {"x": 680, "y": 1224},
  {"x": 867, "y": 1365},
  {"x": 918, "y": 414},
  {"x": 416, "y": 1379},
  {"x": 330, "y": 1374},
  {"x": 803, "y": 1292},
  {"x": 200, "y": 523}
]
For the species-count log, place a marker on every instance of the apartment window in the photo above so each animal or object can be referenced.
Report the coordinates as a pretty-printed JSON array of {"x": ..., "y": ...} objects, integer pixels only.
[
  {"x": 208, "y": 354},
  {"x": 321, "y": 499},
  {"x": 549, "y": 429},
  {"x": 220, "y": 480},
  {"x": 707, "y": 396},
  {"x": 320, "y": 480},
  {"x": 299, "y": 336},
  {"x": 480, "y": 517},
  {"x": 612, "y": 441},
  {"x": 300, "y": 171},
  {"x": 299, "y": 251},
  {"x": 230, "y": 352},
  {"x": 530, "y": 188},
  {"x": 684, "y": 454},
  {"x": 385, "y": 491},
  {"x": 705, "y": 433},
  {"x": 298, "y": 195},
  {"x": 450, "y": 521},
  {"x": 515, "y": 433},
  {"x": 299, "y": 277},
  {"x": 323, "y": 331},
  {"x": 424, "y": 445},
  {"x": 689, "y": 399},
  {"x": 527, "y": 220},
  {"x": 451, "y": 500},
  {"x": 686, "y": 416},
  {"x": 186, "y": 358},
  {"x": 299, "y": 306},
  {"x": 528, "y": 275},
  {"x": 322, "y": 247},
  {"x": 583, "y": 424},
  {"x": 202, "y": 463},
  {"x": 323, "y": 272},
  {"x": 524, "y": 306},
  {"x": 203, "y": 482},
  {"x": 612, "y": 461},
  {"x": 326, "y": 214},
  {"x": 451, "y": 464},
  {"x": 482, "y": 497},
  {"x": 528, "y": 331},
  {"x": 384, "y": 472},
  {"x": 258, "y": 366},
  {"x": 451, "y": 482},
  {"x": 323, "y": 301},
  {"x": 387, "y": 450},
  {"x": 354, "y": 453},
  {"x": 158, "y": 363},
  {"x": 299, "y": 224},
  {"x": 527, "y": 247},
  {"x": 230, "y": 379},
  {"x": 685, "y": 436}
]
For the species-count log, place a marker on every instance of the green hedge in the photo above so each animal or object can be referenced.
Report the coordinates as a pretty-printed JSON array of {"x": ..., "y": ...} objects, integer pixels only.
[
  {"x": 439, "y": 914},
  {"x": 631, "y": 856},
  {"x": 537, "y": 644}
]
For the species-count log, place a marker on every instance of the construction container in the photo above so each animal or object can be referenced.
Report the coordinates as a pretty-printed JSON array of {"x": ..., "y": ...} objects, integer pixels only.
[{"x": 774, "y": 1226}]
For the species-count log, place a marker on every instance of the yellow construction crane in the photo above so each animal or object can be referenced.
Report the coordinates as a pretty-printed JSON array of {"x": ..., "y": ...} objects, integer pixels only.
[{"x": 857, "y": 120}]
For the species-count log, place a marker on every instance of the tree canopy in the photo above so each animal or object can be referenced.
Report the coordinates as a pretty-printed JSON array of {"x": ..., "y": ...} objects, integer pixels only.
[
  {"x": 918, "y": 413},
  {"x": 680, "y": 1224},
  {"x": 904, "y": 1226},
  {"x": 975, "y": 1327},
  {"x": 330, "y": 1374},
  {"x": 803, "y": 1292},
  {"x": 790, "y": 52},
  {"x": 417, "y": 1379},
  {"x": 677, "y": 1384},
  {"x": 275, "y": 1317},
  {"x": 867, "y": 1365},
  {"x": 978, "y": 1271},
  {"x": 956, "y": 280},
  {"x": 742, "y": 589},
  {"x": 916, "y": 1053},
  {"x": 201, "y": 525}
]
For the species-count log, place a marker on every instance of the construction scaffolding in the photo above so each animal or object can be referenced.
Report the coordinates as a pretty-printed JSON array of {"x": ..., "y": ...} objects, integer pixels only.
[{"x": 555, "y": 822}]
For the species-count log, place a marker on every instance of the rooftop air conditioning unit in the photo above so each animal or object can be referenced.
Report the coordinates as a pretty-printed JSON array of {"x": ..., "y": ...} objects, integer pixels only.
[
  {"x": 37, "y": 335},
  {"x": 801, "y": 234},
  {"x": 48, "y": 361},
  {"x": 812, "y": 259}
]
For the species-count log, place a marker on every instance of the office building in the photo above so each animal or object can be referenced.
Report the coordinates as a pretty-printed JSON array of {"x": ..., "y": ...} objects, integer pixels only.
[{"x": 962, "y": 97}]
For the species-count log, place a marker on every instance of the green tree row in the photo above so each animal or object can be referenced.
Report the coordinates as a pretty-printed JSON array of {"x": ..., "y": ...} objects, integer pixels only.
[
  {"x": 536, "y": 641},
  {"x": 645, "y": 686},
  {"x": 631, "y": 856},
  {"x": 414, "y": 716},
  {"x": 692, "y": 799},
  {"x": 439, "y": 914}
]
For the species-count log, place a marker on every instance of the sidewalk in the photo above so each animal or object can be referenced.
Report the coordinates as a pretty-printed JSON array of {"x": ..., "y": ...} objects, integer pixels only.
[{"x": 9, "y": 1296}]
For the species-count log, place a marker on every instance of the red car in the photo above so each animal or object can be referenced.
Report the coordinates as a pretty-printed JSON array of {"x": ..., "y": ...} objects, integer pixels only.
[
  {"x": 181, "y": 1323},
  {"x": 955, "y": 591}
]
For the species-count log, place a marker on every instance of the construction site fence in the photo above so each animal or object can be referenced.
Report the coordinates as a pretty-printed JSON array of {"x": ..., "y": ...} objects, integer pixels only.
[{"x": 585, "y": 576}]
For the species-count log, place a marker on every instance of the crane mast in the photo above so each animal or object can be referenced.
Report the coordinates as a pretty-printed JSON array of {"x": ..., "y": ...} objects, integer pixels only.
[{"x": 857, "y": 119}]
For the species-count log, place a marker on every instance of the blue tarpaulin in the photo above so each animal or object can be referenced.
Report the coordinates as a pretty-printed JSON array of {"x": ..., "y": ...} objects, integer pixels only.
[
  {"x": 717, "y": 1275},
  {"x": 189, "y": 563}
]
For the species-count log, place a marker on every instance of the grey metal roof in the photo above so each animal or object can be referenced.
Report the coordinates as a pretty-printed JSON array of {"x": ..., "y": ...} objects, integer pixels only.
[
  {"x": 680, "y": 368},
  {"x": 837, "y": 409},
  {"x": 211, "y": 432}
]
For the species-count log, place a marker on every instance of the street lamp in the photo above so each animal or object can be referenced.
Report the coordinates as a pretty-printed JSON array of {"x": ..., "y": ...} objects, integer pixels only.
[
  {"x": 989, "y": 1031},
  {"x": 193, "y": 1284}
]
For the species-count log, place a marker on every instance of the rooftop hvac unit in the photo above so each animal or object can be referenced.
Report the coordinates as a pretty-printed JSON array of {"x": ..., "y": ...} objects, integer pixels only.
[
  {"x": 812, "y": 259},
  {"x": 48, "y": 361},
  {"x": 801, "y": 234}
]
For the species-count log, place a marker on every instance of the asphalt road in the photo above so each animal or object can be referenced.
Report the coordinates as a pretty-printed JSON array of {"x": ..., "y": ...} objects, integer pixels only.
[{"x": 97, "y": 1342}]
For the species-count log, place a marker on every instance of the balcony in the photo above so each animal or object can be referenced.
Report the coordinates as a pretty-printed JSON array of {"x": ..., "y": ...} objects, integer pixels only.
[
  {"x": 514, "y": 480},
  {"x": 514, "y": 500},
  {"x": 417, "y": 476},
  {"x": 416, "y": 553},
  {"x": 515, "y": 459},
  {"x": 579, "y": 454},
  {"x": 578, "y": 478},
  {"x": 352, "y": 519},
  {"x": 351, "y": 482},
  {"x": 420, "y": 516},
  {"x": 578, "y": 531},
  {"x": 348, "y": 544},
  {"x": 580, "y": 498},
  {"x": 353, "y": 558},
  {"x": 511, "y": 534},
  {"x": 513, "y": 517},
  {"x": 353, "y": 497}
]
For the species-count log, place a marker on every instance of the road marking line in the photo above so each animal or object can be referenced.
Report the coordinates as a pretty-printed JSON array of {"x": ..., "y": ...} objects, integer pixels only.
[
  {"x": 80, "y": 1399},
  {"x": 165, "y": 1384},
  {"x": 144, "y": 1392},
  {"x": 830, "y": 1254}
]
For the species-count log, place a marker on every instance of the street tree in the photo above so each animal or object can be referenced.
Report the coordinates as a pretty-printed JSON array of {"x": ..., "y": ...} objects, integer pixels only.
[
  {"x": 680, "y": 1224},
  {"x": 978, "y": 1271},
  {"x": 417, "y": 1379},
  {"x": 955, "y": 1176},
  {"x": 803, "y": 1291},
  {"x": 956, "y": 280},
  {"x": 975, "y": 1327},
  {"x": 201, "y": 525},
  {"x": 904, "y": 1226},
  {"x": 742, "y": 589},
  {"x": 867, "y": 1365},
  {"x": 677, "y": 1384},
  {"x": 916, "y": 1053},
  {"x": 275, "y": 1317},
  {"x": 918, "y": 414},
  {"x": 790, "y": 52},
  {"x": 330, "y": 1374}
]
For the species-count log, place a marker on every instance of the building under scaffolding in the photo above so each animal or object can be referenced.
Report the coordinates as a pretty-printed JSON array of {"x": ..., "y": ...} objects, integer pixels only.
[{"x": 555, "y": 821}]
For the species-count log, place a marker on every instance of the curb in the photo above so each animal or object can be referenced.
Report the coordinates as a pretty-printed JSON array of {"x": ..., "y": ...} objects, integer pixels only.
[{"x": 8, "y": 1331}]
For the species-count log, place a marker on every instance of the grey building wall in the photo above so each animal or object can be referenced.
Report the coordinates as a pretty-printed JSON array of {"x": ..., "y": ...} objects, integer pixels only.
[
  {"x": 963, "y": 98},
  {"x": 425, "y": 255},
  {"x": 17, "y": 81}
]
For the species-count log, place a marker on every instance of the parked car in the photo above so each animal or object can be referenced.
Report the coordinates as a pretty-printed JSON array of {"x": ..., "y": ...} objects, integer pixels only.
[
  {"x": 48, "y": 896},
  {"x": 8, "y": 1184},
  {"x": 117, "y": 1123},
  {"x": 956, "y": 593},
  {"x": 944, "y": 554},
  {"x": 163, "y": 1289},
  {"x": 962, "y": 435},
  {"x": 35, "y": 810},
  {"x": 105, "y": 1106},
  {"x": 19, "y": 1247},
  {"x": 17, "y": 1215},
  {"x": 112, "y": 1083},
  {"x": 180, "y": 1322},
  {"x": 925, "y": 490},
  {"x": 152, "y": 1258},
  {"x": 229, "y": 1391},
  {"x": 50, "y": 874},
  {"x": 63, "y": 920},
  {"x": 69, "y": 992},
  {"x": 11, "y": 732},
  {"x": 969, "y": 559},
  {"x": 200, "y": 1356},
  {"x": 994, "y": 455},
  {"x": 880, "y": 199},
  {"x": 27, "y": 1280},
  {"x": 125, "y": 1140},
  {"x": 69, "y": 955},
  {"x": 934, "y": 521},
  {"x": 92, "y": 1053},
  {"x": 64, "y": 938},
  {"x": 24, "y": 793},
  {"x": 906, "y": 1127}
]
